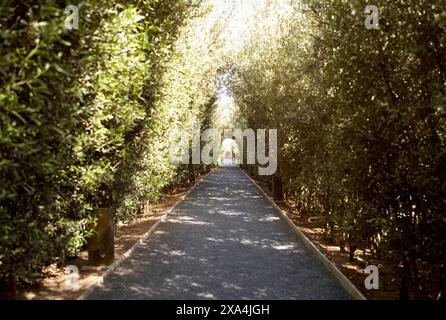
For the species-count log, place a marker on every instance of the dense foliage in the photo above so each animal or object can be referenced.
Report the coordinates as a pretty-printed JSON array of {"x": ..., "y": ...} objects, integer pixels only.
[
  {"x": 362, "y": 126},
  {"x": 83, "y": 119}
]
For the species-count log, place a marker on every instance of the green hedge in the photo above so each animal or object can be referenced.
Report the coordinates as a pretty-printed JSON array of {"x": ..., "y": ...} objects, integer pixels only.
[
  {"x": 361, "y": 119},
  {"x": 78, "y": 124}
]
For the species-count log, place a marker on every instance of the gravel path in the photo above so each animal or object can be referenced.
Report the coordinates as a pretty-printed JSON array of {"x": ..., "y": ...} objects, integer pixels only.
[{"x": 224, "y": 241}]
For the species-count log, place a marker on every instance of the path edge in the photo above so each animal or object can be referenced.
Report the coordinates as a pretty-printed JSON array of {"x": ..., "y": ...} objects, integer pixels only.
[
  {"x": 330, "y": 266},
  {"x": 100, "y": 280}
]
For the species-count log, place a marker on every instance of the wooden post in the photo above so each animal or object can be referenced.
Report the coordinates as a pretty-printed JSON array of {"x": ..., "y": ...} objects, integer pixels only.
[
  {"x": 277, "y": 188},
  {"x": 101, "y": 246}
]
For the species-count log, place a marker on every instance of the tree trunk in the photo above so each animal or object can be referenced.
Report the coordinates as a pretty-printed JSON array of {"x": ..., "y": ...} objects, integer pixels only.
[
  {"x": 8, "y": 288},
  {"x": 277, "y": 188},
  {"x": 405, "y": 279}
]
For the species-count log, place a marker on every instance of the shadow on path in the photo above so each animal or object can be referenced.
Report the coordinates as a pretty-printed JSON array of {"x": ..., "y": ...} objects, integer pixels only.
[{"x": 224, "y": 241}]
